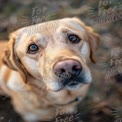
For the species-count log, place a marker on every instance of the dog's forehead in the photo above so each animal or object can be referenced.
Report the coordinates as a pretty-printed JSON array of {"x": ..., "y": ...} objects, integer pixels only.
[
  {"x": 34, "y": 30},
  {"x": 52, "y": 26},
  {"x": 41, "y": 28},
  {"x": 48, "y": 28}
]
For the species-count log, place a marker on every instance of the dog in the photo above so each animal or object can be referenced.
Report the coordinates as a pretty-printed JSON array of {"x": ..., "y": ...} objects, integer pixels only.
[{"x": 44, "y": 67}]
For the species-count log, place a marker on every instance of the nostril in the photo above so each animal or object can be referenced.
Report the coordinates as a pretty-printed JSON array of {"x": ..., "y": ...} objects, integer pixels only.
[
  {"x": 59, "y": 71},
  {"x": 76, "y": 69},
  {"x": 62, "y": 70}
]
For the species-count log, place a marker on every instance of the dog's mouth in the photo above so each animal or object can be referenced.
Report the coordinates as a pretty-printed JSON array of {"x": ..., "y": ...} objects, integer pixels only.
[
  {"x": 72, "y": 82},
  {"x": 67, "y": 83}
]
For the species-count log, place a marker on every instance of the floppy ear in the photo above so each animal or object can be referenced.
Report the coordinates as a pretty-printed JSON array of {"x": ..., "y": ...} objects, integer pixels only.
[
  {"x": 10, "y": 58},
  {"x": 93, "y": 39}
]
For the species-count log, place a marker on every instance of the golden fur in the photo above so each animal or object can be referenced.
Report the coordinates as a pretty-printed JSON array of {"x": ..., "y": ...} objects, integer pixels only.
[{"x": 29, "y": 79}]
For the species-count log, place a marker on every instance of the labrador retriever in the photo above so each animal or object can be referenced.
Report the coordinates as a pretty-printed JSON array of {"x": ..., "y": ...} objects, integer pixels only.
[{"x": 45, "y": 67}]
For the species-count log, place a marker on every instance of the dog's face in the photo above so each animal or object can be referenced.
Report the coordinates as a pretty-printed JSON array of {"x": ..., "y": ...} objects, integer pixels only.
[{"x": 54, "y": 52}]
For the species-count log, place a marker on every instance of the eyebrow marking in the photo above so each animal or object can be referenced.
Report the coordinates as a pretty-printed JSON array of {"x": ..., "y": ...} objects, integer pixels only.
[{"x": 77, "y": 25}]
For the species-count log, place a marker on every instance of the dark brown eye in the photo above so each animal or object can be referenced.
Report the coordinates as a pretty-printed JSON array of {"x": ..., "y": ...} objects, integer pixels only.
[
  {"x": 74, "y": 38},
  {"x": 32, "y": 49}
]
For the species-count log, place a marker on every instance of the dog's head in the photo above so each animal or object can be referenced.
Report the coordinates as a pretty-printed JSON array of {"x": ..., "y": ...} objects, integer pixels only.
[{"x": 54, "y": 52}]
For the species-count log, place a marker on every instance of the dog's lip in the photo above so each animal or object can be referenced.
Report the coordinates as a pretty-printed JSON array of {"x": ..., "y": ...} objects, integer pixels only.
[
  {"x": 64, "y": 86},
  {"x": 69, "y": 83},
  {"x": 73, "y": 81}
]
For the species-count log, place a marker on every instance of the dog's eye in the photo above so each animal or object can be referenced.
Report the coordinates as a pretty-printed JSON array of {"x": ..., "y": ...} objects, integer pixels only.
[
  {"x": 32, "y": 49},
  {"x": 74, "y": 38}
]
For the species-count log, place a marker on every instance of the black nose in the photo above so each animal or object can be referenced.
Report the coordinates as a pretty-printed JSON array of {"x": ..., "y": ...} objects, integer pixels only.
[{"x": 67, "y": 68}]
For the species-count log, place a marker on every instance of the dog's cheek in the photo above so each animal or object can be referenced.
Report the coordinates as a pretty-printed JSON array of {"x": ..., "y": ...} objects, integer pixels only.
[
  {"x": 32, "y": 66},
  {"x": 85, "y": 51}
]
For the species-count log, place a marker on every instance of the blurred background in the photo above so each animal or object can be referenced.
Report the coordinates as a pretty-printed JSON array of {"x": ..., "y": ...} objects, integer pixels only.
[{"x": 104, "y": 100}]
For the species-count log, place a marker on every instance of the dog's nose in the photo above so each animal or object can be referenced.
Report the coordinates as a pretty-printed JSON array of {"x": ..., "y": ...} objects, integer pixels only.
[{"x": 67, "y": 68}]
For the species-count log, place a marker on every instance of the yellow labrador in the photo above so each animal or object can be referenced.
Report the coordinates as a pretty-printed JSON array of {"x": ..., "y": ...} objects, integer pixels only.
[{"x": 45, "y": 67}]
